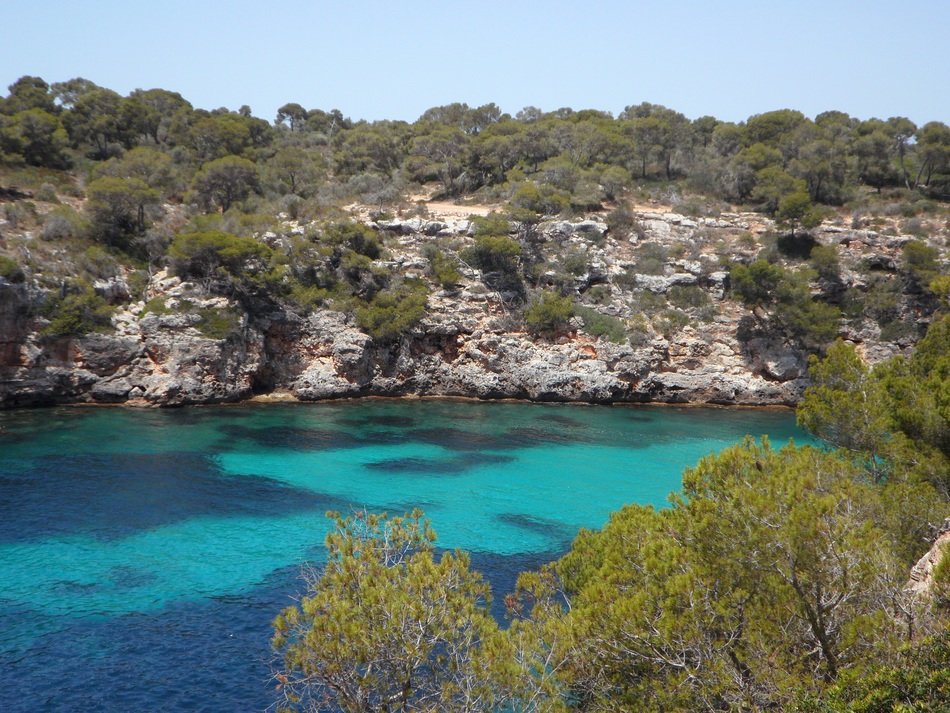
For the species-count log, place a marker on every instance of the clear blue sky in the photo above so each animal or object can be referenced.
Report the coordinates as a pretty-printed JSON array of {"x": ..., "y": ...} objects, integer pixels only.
[{"x": 378, "y": 59}]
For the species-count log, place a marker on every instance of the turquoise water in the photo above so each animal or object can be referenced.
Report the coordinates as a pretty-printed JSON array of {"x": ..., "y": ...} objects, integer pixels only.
[{"x": 166, "y": 541}]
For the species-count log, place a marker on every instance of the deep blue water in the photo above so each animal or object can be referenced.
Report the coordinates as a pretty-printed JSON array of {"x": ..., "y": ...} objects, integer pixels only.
[{"x": 143, "y": 554}]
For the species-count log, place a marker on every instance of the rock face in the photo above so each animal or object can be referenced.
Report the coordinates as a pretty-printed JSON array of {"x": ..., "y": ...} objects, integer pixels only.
[
  {"x": 922, "y": 573},
  {"x": 467, "y": 345}
]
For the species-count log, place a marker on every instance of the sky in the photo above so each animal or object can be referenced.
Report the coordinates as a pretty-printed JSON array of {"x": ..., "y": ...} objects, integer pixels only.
[{"x": 394, "y": 59}]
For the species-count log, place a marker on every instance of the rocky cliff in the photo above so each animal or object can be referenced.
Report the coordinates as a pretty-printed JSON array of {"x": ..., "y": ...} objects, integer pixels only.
[{"x": 468, "y": 343}]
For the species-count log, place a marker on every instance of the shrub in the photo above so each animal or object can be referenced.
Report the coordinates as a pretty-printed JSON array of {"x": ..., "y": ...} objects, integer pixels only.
[
  {"x": 393, "y": 312},
  {"x": 651, "y": 259},
  {"x": 670, "y": 322},
  {"x": 549, "y": 312},
  {"x": 204, "y": 254},
  {"x": 441, "y": 267},
  {"x": 10, "y": 270},
  {"x": 598, "y": 324},
  {"x": 530, "y": 201},
  {"x": 77, "y": 314},
  {"x": 216, "y": 323},
  {"x": 920, "y": 263},
  {"x": 46, "y": 192},
  {"x": 491, "y": 224},
  {"x": 687, "y": 296},
  {"x": 824, "y": 261},
  {"x": 63, "y": 223},
  {"x": 493, "y": 253},
  {"x": 355, "y": 236},
  {"x": 621, "y": 222}
]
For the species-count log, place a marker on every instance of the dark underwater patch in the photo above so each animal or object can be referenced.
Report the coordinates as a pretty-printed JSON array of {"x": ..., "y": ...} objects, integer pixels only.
[
  {"x": 438, "y": 466},
  {"x": 308, "y": 439},
  {"x": 114, "y": 495},
  {"x": 388, "y": 420},
  {"x": 547, "y": 528},
  {"x": 560, "y": 420}
]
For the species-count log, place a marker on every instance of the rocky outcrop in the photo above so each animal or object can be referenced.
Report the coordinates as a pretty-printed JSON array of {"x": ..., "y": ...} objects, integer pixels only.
[
  {"x": 922, "y": 574},
  {"x": 467, "y": 344}
]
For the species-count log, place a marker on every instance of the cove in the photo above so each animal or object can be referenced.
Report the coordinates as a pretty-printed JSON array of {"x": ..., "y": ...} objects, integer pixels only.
[{"x": 143, "y": 554}]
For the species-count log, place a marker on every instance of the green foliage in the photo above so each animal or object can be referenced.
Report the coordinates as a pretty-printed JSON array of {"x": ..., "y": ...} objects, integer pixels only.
[
  {"x": 549, "y": 312},
  {"x": 225, "y": 181},
  {"x": 920, "y": 263},
  {"x": 491, "y": 225},
  {"x": 756, "y": 284},
  {"x": 688, "y": 296},
  {"x": 216, "y": 323},
  {"x": 63, "y": 223},
  {"x": 442, "y": 268},
  {"x": 824, "y": 261},
  {"x": 736, "y": 593},
  {"x": 651, "y": 259},
  {"x": 493, "y": 253},
  {"x": 10, "y": 270},
  {"x": 393, "y": 312},
  {"x": 896, "y": 418},
  {"x": 388, "y": 624},
  {"x": 531, "y": 201},
  {"x": 788, "y": 297},
  {"x": 117, "y": 209},
  {"x": 77, "y": 313},
  {"x": 598, "y": 324},
  {"x": 355, "y": 236},
  {"x": 204, "y": 254},
  {"x": 918, "y": 681}
]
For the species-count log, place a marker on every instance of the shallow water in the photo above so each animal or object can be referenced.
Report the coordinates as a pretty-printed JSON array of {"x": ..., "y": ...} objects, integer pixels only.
[{"x": 143, "y": 554}]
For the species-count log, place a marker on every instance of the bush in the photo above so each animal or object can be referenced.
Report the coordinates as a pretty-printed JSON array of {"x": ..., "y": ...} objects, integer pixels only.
[
  {"x": 548, "y": 313},
  {"x": 218, "y": 323},
  {"x": 687, "y": 296},
  {"x": 355, "y": 236},
  {"x": 77, "y": 314},
  {"x": 621, "y": 222},
  {"x": 10, "y": 270},
  {"x": 441, "y": 267},
  {"x": 204, "y": 254},
  {"x": 651, "y": 259},
  {"x": 493, "y": 253},
  {"x": 531, "y": 201},
  {"x": 47, "y": 193},
  {"x": 393, "y": 312},
  {"x": 491, "y": 224},
  {"x": 598, "y": 324},
  {"x": 920, "y": 263},
  {"x": 63, "y": 223},
  {"x": 824, "y": 261}
]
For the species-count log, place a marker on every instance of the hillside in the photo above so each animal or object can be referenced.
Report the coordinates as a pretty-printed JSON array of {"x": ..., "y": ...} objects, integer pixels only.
[{"x": 153, "y": 253}]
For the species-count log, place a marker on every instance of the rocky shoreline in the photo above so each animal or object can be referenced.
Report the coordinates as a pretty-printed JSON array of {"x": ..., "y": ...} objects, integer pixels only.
[{"x": 467, "y": 345}]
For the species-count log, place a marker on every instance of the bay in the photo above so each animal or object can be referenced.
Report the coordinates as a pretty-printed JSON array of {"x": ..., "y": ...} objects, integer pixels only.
[{"x": 143, "y": 554}]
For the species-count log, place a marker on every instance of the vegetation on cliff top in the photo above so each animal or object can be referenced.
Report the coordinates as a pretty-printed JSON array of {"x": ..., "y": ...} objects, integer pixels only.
[{"x": 88, "y": 169}]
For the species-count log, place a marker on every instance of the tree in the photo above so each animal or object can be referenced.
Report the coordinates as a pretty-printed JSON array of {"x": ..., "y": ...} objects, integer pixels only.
[
  {"x": 118, "y": 208},
  {"x": 796, "y": 209},
  {"x": 28, "y": 93},
  {"x": 769, "y": 574},
  {"x": 291, "y": 115},
  {"x": 159, "y": 106},
  {"x": 442, "y": 154},
  {"x": 387, "y": 625},
  {"x": 36, "y": 136},
  {"x": 845, "y": 406},
  {"x": 225, "y": 181},
  {"x": 105, "y": 122}
]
